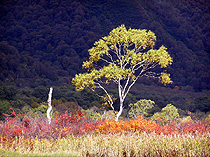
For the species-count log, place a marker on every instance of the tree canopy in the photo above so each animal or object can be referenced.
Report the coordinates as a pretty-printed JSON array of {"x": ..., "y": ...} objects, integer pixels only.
[{"x": 121, "y": 58}]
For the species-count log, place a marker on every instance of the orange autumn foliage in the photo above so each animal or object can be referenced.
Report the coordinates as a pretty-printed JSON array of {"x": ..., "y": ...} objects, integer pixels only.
[
  {"x": 138, "y": 125},
  {"x": 141, "y": 125}
]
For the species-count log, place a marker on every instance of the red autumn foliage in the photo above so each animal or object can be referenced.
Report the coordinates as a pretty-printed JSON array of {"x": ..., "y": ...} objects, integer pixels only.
[
  {"x": 195, "y": 127},
  {"x": 77, "y": 123},
  {"x": 62, "y": 125},
  {"x": 73, "y": 123}
]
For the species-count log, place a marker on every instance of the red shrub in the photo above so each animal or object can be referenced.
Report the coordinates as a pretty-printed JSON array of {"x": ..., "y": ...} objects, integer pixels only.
[
  {"x": 64, "y": 124},
  {"x": 195, "y": 127}
]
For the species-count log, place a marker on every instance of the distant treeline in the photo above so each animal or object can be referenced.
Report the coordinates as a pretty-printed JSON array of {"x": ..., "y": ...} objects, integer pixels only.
[{"x": 33, "y": 101}]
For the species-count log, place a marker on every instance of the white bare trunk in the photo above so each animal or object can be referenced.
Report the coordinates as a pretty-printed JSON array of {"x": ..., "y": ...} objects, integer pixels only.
[
  {"x": 49, "y": 105},
  {"x": 120, "y": 112}
]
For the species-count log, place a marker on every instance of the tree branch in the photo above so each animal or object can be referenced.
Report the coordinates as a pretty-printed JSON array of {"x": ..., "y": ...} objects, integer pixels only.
[
  {"x": 140, "y": 65},
  {"x": 109, "y": 100},
  {"x": 133, "y": 83},
  {"x": 106, "y": 60},
  {"x": 151, "y": 74}
]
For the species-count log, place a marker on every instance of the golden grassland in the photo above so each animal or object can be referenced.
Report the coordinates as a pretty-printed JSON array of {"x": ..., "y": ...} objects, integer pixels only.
[{"x": 109, "y": 145}]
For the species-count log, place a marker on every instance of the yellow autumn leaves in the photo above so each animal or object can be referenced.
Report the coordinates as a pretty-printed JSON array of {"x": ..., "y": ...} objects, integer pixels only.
[{"x": 121, "y": 54}]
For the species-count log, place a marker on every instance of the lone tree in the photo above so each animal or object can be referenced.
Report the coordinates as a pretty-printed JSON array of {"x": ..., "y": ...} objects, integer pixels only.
[{"x": 121, "y": 58}]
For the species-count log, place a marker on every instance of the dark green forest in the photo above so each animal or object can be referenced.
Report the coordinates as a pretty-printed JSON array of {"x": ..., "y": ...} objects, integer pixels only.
[{"x": 44, "y": 42}]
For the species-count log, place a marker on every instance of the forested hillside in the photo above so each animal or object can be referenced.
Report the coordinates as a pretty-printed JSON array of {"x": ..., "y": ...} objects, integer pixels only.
[{"x": 44, "y": 42}]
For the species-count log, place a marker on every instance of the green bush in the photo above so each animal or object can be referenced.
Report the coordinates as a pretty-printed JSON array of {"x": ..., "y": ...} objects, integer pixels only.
[
  {"x": 169, "y": 112},
  {"x": 140, "y": 108}
]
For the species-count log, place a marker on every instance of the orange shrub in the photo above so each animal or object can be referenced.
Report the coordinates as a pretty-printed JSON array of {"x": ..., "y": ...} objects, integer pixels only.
[{"x": 138, "y": 125}]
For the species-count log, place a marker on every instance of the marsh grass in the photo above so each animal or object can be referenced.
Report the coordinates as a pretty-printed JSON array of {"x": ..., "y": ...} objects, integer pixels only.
[
  {"x": 4, "y": 153},
  {"x": 109, "y": 145},
  {"x": 147, "y": 145}
]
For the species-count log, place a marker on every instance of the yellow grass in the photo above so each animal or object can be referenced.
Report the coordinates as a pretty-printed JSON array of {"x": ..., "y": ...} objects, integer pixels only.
[{"x": 109, "y": 145}]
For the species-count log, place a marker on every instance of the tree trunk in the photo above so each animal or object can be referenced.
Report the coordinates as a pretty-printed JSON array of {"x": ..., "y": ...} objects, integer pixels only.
[
  {"x": 120, "y": 112},
  {"x": 49, "y": 105}
]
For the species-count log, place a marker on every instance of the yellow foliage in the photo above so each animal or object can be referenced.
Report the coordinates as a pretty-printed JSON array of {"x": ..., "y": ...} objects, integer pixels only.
[
  {"x": 208, "y": 118},
  {"x": 187, "y": 119}
]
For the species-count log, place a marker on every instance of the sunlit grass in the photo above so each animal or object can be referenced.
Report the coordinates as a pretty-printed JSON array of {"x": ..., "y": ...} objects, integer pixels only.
[
  {"x": 10, "y": 153},
  {"x": 148, "y": 145},
  {"x": 109, "y": 145}
]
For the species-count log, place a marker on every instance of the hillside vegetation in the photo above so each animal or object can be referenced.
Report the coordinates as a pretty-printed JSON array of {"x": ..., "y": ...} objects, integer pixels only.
[{"x": 43, "y": 43}]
